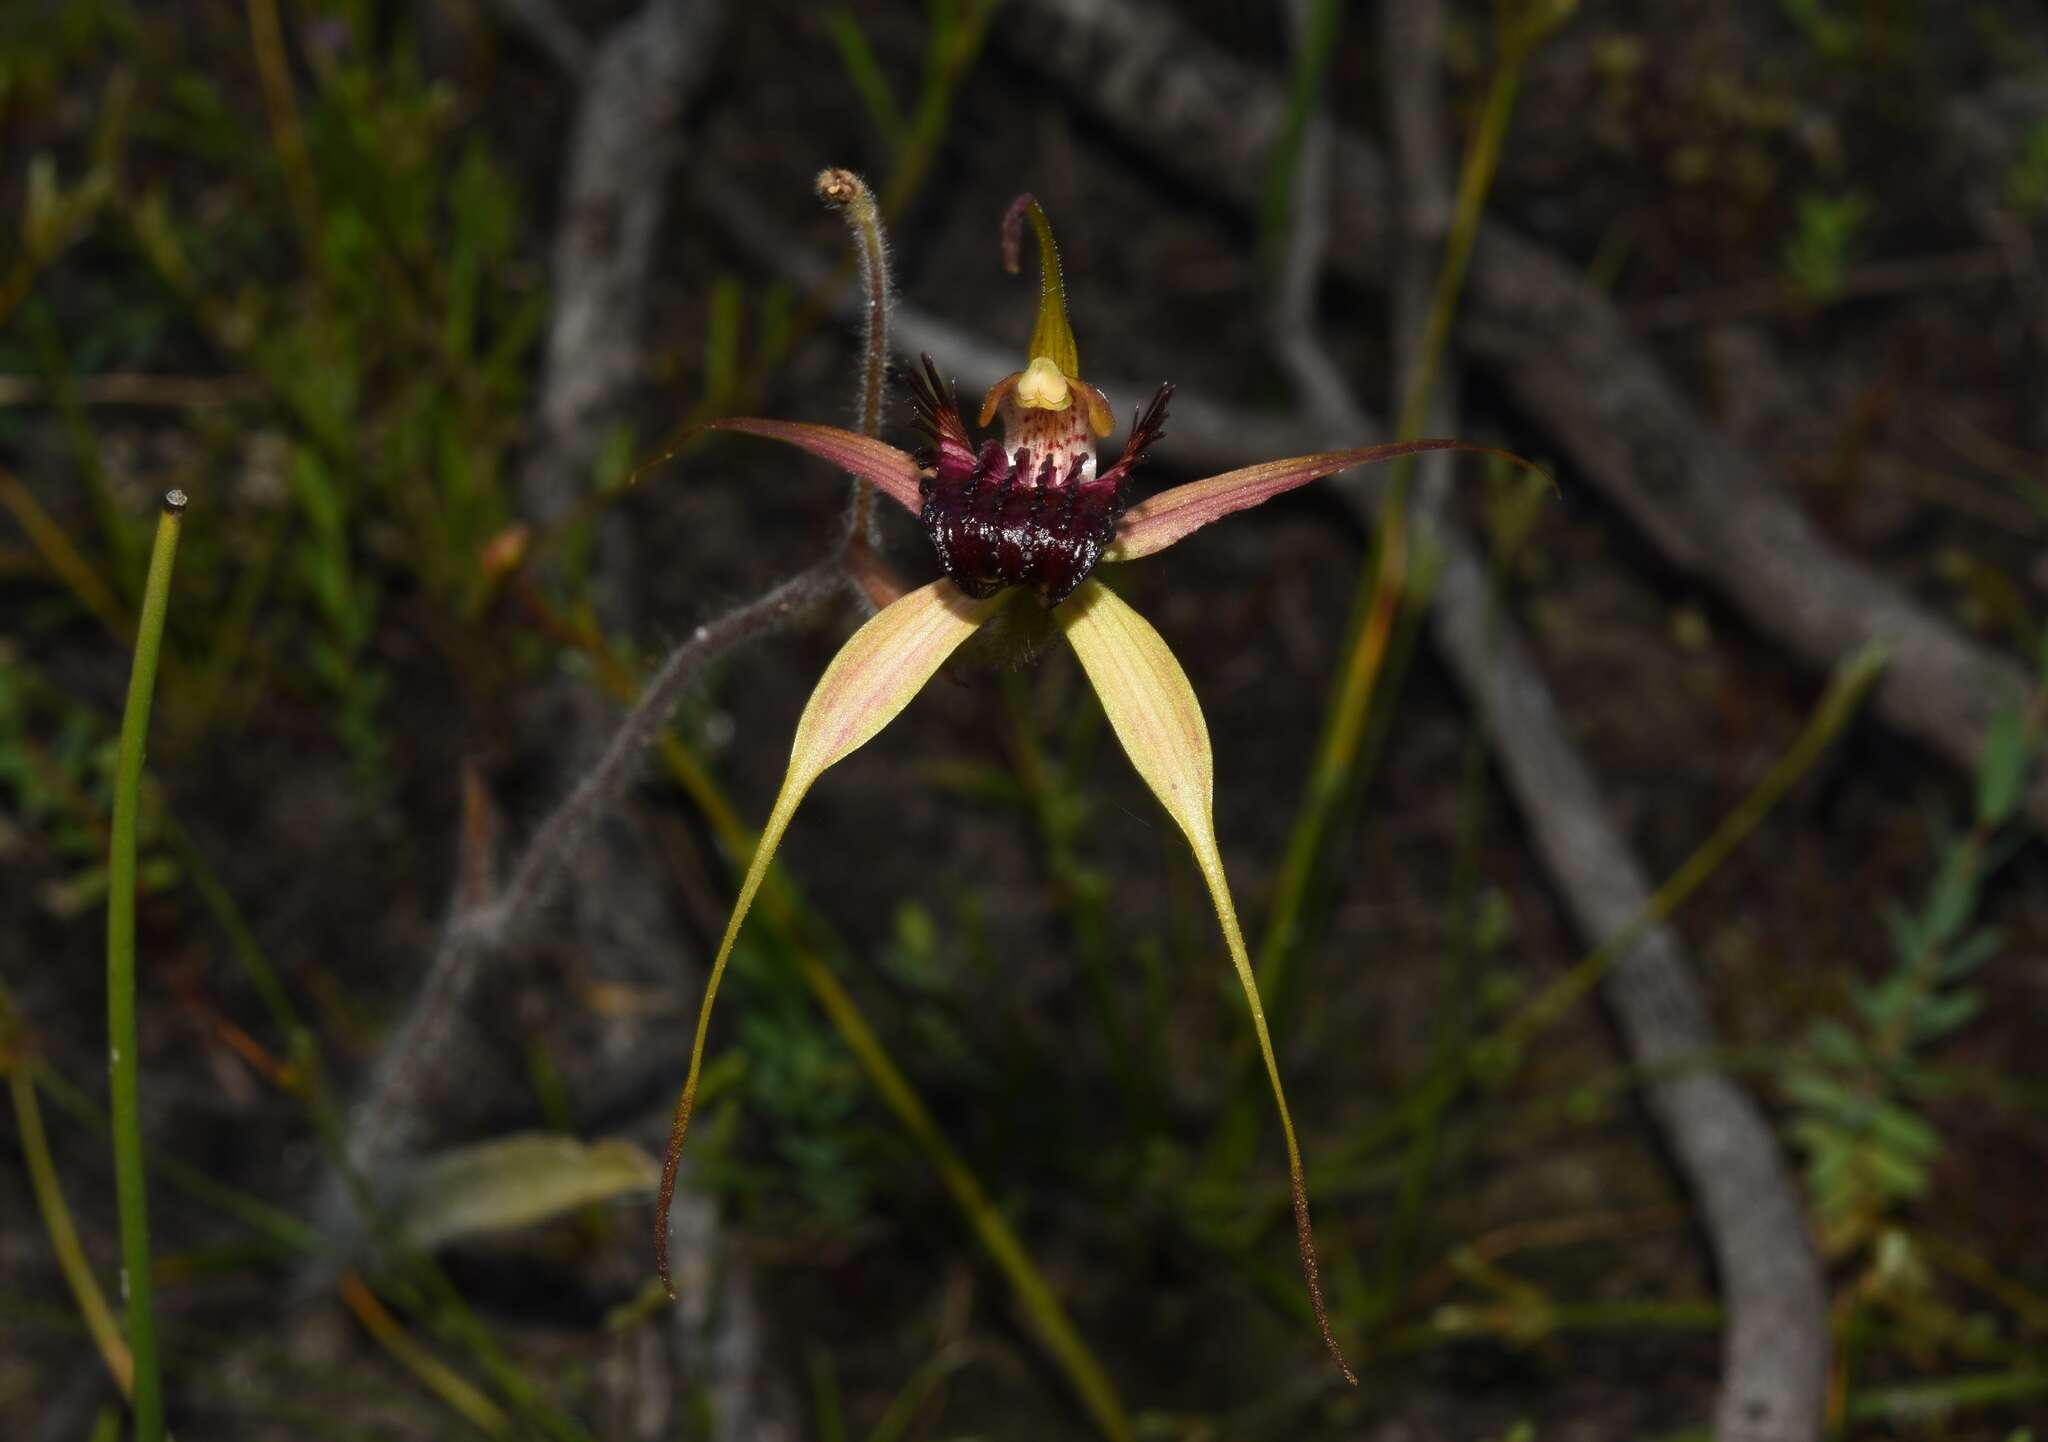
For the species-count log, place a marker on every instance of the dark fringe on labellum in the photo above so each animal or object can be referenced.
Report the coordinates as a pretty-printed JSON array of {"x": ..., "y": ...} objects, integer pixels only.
[{"x": 997, "y": 521}]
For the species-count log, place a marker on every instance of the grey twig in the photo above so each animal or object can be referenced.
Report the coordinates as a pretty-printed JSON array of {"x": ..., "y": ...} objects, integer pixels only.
[
  {"x": 473, "y": 937},
  {"x": 1775, "y": 1338},
  {"x": 1566, "y": 355},
  {"x": 619, "y": 150},
  {"x": 1774, "y": 1364},
  {"x": 549, "y": 29},
  {"x": 624, "y": 141},
  {"x": 1296, "y": 337}
]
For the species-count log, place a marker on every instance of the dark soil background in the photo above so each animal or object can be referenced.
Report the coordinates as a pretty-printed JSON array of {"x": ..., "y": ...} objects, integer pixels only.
[{"x": 1890, "y": 373}]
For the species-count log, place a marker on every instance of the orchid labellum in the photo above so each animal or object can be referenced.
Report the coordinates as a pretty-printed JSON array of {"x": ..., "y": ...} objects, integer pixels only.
[{"x": 1031, "y": 512}]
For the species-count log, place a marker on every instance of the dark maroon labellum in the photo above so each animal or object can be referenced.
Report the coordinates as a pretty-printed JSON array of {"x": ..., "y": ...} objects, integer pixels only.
[
  {"x": 1002, "y": 525},
  {"x": 998, "y": 520}
]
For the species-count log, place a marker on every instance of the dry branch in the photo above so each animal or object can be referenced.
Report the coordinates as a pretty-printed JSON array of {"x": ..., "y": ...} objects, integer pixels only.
[
  {"x": 1775, "y": 1340},
  {"x": 551, "y": 33},
  {"x": 1566, "y": 355},
  {"x": 622, "y": 144},
  {"x": 438, "y": 1064}
]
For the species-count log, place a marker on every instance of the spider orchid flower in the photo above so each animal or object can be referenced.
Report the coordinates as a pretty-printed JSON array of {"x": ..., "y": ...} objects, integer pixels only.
[{"x": 1032, "y": 512}]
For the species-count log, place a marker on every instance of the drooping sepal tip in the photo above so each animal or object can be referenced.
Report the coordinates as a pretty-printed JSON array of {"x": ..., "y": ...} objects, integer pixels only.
[{"x": 1153, "y": 710}]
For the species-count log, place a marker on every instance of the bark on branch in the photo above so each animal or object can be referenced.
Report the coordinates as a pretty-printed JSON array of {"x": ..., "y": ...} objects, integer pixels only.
[
  {"x": 437, "y": 1064},
  {"x": 1566, "y": 355},
  {"x": 1775, "y": 1337}
]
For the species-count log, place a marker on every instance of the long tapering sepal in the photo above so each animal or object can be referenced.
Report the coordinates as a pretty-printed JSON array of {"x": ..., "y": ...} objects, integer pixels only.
[
  {"x": 1158, "y": 521},
  {"x": 890, "y": 471},
  {"x": 868, "y": 684},
  {"x": 1154, "y": 713}
]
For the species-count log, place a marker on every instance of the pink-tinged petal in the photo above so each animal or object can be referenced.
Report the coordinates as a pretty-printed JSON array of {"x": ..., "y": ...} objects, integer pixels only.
[
  {"x": 1154, "y": 713},
  {"x": 868, "y": 684},
  {"x": 1158, "y": 521},
  {"x": 890, "y": 471}
]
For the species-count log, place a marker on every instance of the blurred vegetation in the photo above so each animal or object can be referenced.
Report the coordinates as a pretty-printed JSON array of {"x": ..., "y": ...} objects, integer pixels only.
[{"x": 274, "y": 256}]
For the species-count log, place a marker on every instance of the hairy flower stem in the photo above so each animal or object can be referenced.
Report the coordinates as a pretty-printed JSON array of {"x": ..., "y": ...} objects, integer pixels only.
[
  {"x": 848, "y": 194},
  {"x": 130, "y": 1182}
]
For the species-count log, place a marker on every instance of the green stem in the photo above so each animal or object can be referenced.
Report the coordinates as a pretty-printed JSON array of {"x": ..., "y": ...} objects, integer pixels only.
[
  {"x": 956, "y": 43},
  {"x": 1048, "y": 1318},
  {"x": 129, "y": 1177},
  {"x": 1475, "y": 178},
  {"x": 1383, "y": 589},
  {"x": 1939, "y": 1399},
  {"x": 1305, "y": 87}
]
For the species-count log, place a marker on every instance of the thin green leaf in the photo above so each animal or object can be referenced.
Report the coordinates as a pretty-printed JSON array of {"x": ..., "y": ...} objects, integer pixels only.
[
  {"x": 1154, "y": 713},
  {"x": 1835, "y": 1043},
  {"x": 1971, "y": 952},
  {"x": 517, "y": 1181},
  {"x": 865, "y": 71},
  {"x": 868, "y": 684},
  {"x": 1953, "y": 898},
  {"x": 1903, "y": 1131},
  {"x": 1940, "y": 1015},
  {"x": 1827, "y": 1097},
  {"x": 1909, "y": 939},
  {"x": 2003, "y": 766}
]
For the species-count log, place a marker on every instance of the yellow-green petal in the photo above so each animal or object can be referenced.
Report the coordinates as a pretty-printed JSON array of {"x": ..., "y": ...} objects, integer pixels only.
[
  {"x": 1154, "y": 713},
  {"x": 866, "y": 687}
]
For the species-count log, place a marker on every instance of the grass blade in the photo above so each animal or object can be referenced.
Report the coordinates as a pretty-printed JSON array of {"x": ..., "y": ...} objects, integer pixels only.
[{"x": 129, "y": 1178}]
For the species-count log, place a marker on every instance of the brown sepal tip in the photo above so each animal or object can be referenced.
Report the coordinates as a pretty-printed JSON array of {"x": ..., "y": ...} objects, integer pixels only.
[{"x": 1013, "y": 231}]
